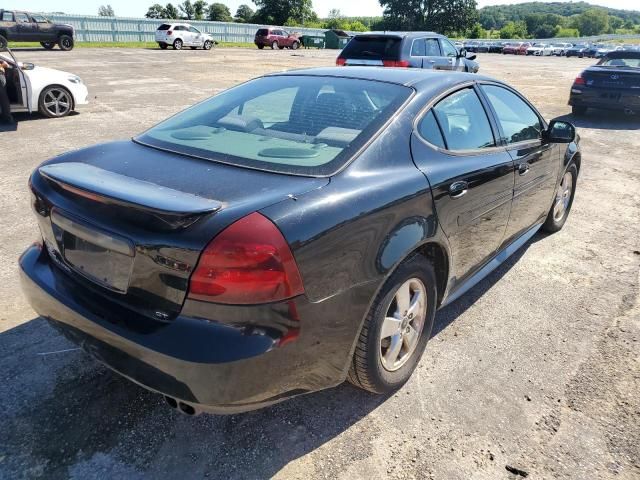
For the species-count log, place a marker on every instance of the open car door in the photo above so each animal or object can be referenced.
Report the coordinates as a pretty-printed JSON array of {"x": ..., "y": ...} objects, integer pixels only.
[{"x": 18, "y": 84}]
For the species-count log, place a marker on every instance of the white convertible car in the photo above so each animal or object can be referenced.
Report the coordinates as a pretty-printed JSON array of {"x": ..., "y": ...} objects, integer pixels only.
[{"x": 51, "y": 92}]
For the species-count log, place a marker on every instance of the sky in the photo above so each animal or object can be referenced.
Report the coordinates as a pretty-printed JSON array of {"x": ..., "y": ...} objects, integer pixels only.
[{"x": 137, "y": 8}]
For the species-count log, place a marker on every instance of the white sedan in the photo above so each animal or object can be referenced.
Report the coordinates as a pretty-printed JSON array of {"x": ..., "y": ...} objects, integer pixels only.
[
  {"x": 52, "y": 92},
  {"x": 540, "y": 49}
]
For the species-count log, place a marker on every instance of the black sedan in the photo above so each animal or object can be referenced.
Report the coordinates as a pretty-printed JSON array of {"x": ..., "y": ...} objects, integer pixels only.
[
  {"x": 578, "y": 50},
  {"x": 292, "y": 232},
  {"x": 612, "y": 84}
]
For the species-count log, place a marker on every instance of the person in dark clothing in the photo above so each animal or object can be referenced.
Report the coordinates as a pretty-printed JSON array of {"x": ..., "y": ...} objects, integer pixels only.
[{"x": 5, "y": 106}]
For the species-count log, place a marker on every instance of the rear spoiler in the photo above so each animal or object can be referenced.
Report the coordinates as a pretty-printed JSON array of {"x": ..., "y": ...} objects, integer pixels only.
[{"x": 113, "y": 188}]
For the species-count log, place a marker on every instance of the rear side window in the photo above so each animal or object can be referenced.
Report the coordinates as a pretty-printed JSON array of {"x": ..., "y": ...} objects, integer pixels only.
[
  {"x": 517, "y": 120},
  {"x": 22, "y": 17},
  {"x": 164, "y": 26},
  {"x": 464, "y": 122},
  {"x": 7, "y": 17},
  {"x": 304, "y": 125},
  {"x": 263, "y": 32},
  {"x": 373, "y": 47},
  {"x": 430, "y": 131}
]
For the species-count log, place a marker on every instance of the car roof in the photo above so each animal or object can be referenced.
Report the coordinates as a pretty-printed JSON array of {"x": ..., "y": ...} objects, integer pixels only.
[
  {"x": 421, "y": 79},
  {"x": 408, "y": 35}
]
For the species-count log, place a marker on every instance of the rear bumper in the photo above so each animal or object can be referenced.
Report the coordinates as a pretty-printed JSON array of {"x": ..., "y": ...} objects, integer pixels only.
[
  {"x": 605, "y": 98},
  {"x": 220, "y": 367}
]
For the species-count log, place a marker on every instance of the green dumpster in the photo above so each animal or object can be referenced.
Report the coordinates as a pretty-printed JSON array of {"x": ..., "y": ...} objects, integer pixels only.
[
  {"x": 336, "y": 39},
  {"x": 309, "y": 41}
]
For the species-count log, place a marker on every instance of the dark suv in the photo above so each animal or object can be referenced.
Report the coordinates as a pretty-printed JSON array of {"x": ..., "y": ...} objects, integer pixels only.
[
  {"x": 17, "y": 26},
  {"x": 276, "y": 38},
  {"x": 406, "y": 49}
]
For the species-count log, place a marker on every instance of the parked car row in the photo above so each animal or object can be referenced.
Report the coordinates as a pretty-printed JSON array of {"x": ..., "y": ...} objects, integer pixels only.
[{"x": 559, "y": 49}]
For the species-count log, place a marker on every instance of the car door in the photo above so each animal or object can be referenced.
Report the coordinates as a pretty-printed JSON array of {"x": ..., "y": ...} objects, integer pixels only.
[
  {"x": 454, "y": 60},
  {"x": 471, "y": 177},
  {"x": 536, "y": 161},
  {"x": 196, "y": 37},
  {"x": 425, "y": 53},
  {"x": 25, "y": 28},
  {"x": 44, "y": 28}
]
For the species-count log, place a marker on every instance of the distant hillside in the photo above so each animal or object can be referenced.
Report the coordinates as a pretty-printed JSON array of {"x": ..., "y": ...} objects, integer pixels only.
[{"x": 496, "y": 16}]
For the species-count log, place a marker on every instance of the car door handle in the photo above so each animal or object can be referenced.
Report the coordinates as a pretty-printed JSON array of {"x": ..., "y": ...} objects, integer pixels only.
[
  {"x": 458, "y": 189},
  {"x": 523, "y": 168}
]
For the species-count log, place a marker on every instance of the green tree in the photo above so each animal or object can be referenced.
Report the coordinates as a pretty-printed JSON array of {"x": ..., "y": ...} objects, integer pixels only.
[
  {"x": 514, "y": 30},
  {"x": 219, "y": 12},
  {"x": 443, "y": 16},
  {"x": 156, "y": 11},
  {"x": 199, "y": 9},
  {"x": 477, "y": 31},
  {"x": 187, "y": 10},
  {"x": 592, "y": 22},
  {"x": 171, "y": 12},
  {"x": 546, "y": 31},
  {"x": 357, "y": 26},
  {"x": 244, "y": 14},
  {"x": 106, "y": 11},
  {"x": 278, "y": 12}
]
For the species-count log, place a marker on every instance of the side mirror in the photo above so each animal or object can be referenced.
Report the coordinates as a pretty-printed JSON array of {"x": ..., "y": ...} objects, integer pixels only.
[
  {"x": 560, "y": 132},
  {"x": 27, "y": 66},
  {"x": 462, "y": 52}
]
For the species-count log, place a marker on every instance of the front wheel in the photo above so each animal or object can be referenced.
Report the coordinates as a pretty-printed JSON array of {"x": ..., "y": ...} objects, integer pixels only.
[
  {"x": 563, "y": 201},
  {"x": 66, "y": 43},
  {"x": 260, "y": 47},
  {"x": 55, "y": 102},
  {"x": 274, "y": 45},
  {"x": 295, "y": 45},
  {"x": 177, "y": 45},
  {"x": 207, "y": 45},
  {"x": 48, "y": 45},
  {"x": 396, "y": 331}
]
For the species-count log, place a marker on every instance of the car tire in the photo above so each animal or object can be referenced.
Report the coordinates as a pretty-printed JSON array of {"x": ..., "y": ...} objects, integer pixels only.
[
  {"x": 177, "y": 44},
  {"x": 59, "y": 93},
  {"x": 577, "y": 110},
  {"x": 295, "y": 45},
  {"x": 377, "y": 365},
  {"x": 563, "y": 200},
  {"x": 260, "y": 47},
  {"x": 66, "y": 43},
  {"x": 208, "y": 45},
  {"x": 163, "y": 45},
  {"x": 274, "y": 45},
  {"x": 48, "y": 45}
]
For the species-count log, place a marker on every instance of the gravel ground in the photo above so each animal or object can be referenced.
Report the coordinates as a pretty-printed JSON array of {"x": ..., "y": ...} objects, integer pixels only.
[{"x": 535, "y": 371}]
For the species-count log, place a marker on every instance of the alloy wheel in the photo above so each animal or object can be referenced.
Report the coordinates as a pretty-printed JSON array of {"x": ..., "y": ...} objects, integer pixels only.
[
  {"x": 57, "y": 102},
  {"x": 403, "y": 324},
  {"x": 563, "y": 197}
]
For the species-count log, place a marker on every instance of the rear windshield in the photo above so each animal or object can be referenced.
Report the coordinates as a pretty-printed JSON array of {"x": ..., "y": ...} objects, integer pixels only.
[
  {"x": 164, "y": 26},
  {"x": 373, "y": 47},
  {"x": 263, "y": 32},
  {"x": 304, "y": 125}
]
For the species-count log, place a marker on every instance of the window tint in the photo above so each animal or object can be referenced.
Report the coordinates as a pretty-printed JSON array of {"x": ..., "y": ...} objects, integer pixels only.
[
  {"x": 518, "y": 121},
  {"x": 464, "y": 122},
  {"x": 430, "y": 131},
  {"x": 449, "y": 49},
  {"x": 7, "y": 17},
  {"x": 22, "y": 17},
  {"x": 418, "y": 48},
  {"x": 262, "y": 32},
  {"x": 194, "y": 30},
  {"x": 432, "y": 47},
  {"x": 290, "y": 124},
  {"x": 164, "y": 26},
  {"x": 374, "y": 47},
  {"x": 39, "y": 19}
]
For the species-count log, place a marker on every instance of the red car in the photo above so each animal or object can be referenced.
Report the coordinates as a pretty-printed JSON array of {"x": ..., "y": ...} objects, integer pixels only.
[
  {"x": 515, "y": 48},
  {"x": 276, "y": 38},
  {"x": 522, "y": 49}
]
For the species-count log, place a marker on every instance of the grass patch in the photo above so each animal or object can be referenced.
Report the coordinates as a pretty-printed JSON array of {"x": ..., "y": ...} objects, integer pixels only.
[{"x": 14, "y": 45}]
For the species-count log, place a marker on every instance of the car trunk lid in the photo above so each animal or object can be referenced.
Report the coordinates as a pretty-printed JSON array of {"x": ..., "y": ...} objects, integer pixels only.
[
  {"x": 133, "y": 220},
  {"x": 614, "y": 77}
]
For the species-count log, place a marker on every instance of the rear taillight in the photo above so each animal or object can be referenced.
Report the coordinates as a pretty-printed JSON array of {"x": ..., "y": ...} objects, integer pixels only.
[
  {"x": 170, "y": 32},
  {"x": 248, "y": 263},
  {"x": 579, "y": 80},
  {"x": 340, "y": 62},
  {"x": 395, "y": 63}
]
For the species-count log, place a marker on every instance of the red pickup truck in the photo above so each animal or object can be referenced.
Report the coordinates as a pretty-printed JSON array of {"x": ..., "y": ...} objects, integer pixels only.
[{"x": 276, "y": 38}]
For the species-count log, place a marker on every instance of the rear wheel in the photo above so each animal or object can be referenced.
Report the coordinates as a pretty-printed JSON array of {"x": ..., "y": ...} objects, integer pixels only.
[
  {"x": 578, "y": 110},
  {"x": 65, "y": 42},
  {"x": 48, "y": 45},
  {"x": 177, "y": 44},
  {"x": 396, "y": 331},
  {"x": 274, "y": 45},
  {"x": 162, "y": 45},
  {"x": 563, "y": 201},
  {"x": 55, "y": 102}
]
